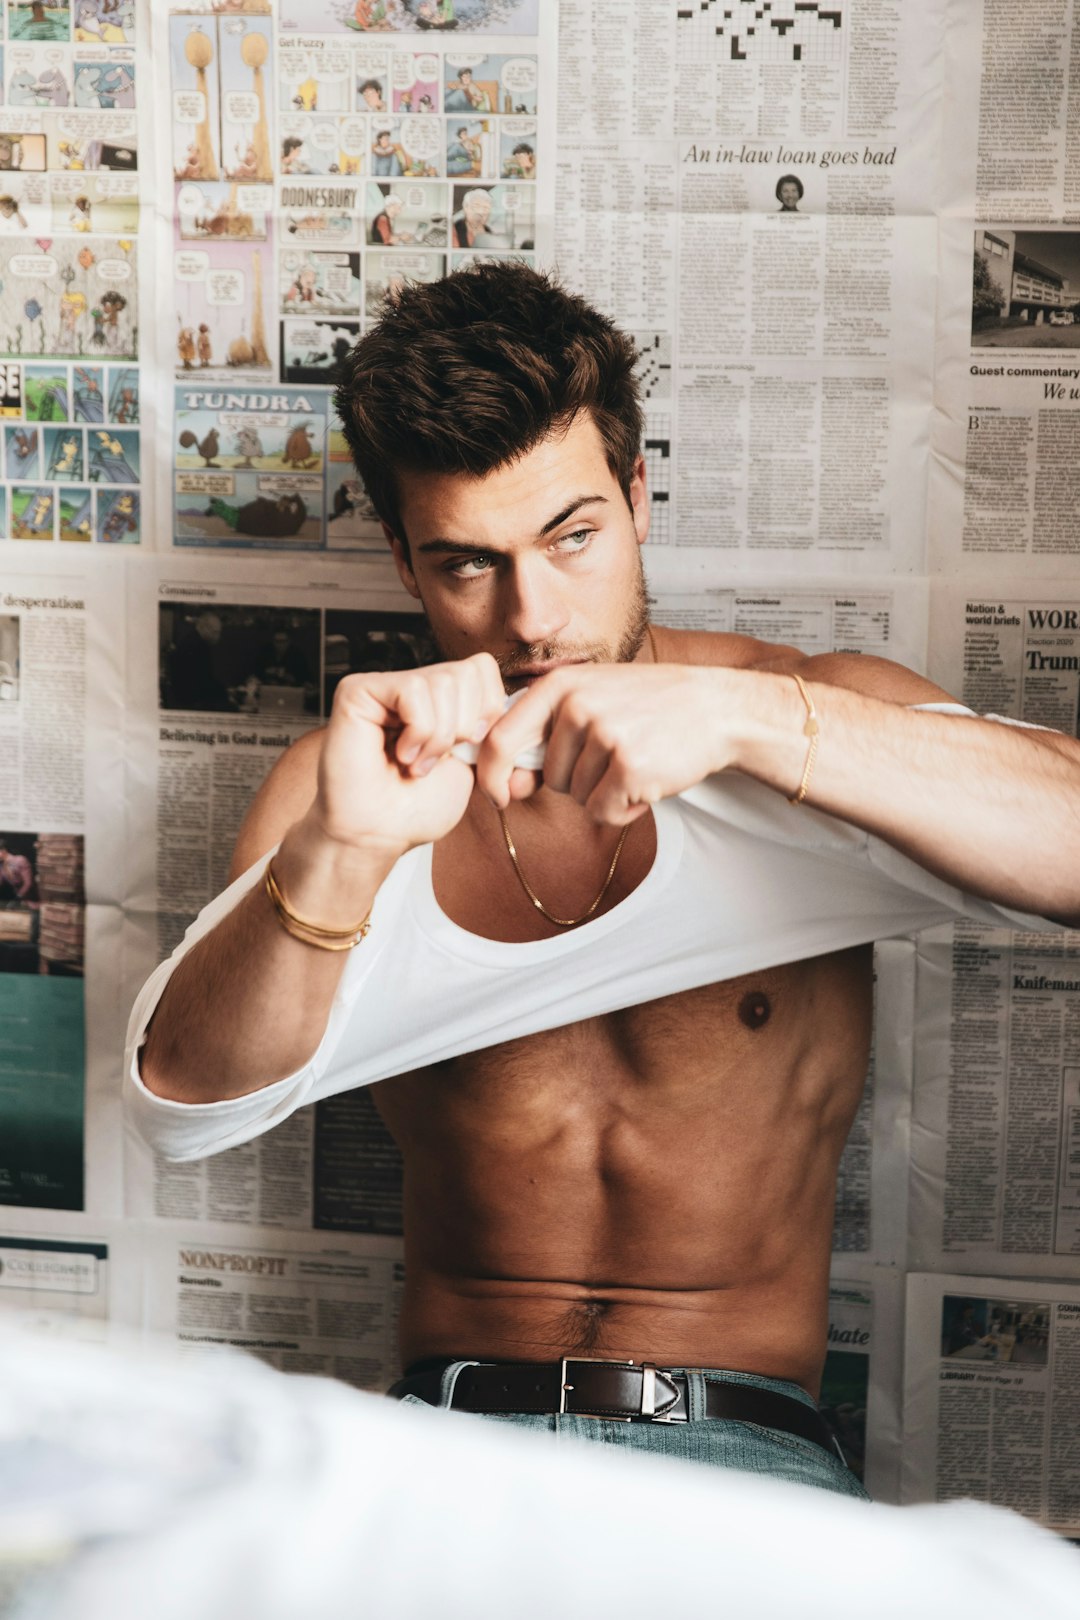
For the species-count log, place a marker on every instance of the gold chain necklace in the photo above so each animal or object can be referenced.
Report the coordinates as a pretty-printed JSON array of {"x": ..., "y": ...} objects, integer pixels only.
[
  {"x": 569, "y": 922},
  {"x": 560, "y": 922}
]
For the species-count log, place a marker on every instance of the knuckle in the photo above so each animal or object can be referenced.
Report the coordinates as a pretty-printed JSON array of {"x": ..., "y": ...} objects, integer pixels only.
[{"x": 578, "y": 710}]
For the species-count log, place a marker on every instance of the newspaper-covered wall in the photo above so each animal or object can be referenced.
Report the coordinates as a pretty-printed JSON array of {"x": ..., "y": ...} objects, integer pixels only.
[{"x": 857, "y": 307}]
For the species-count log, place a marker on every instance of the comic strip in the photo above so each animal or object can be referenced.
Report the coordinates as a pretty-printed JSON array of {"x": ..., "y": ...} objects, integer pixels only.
[
  {"x": 323, "y": 157},
  {"x": 433, "y": 17},
  {"x": 69, "y": 306},
  {"x": 249, "y": 467}
]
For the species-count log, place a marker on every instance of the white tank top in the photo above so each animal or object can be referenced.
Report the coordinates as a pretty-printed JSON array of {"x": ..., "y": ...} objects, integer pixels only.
[{"x": 741, "y": 881}]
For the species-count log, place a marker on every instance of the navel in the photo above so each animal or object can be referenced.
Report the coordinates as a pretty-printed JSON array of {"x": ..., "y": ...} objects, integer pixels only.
[{"x": 755, "y": 1009}]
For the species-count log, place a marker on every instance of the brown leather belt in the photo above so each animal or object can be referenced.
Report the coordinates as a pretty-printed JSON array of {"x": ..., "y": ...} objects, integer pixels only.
[{"x": 621, "y": 1391}]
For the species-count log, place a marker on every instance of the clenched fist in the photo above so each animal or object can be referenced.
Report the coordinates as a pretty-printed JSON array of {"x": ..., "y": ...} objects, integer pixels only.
[{"x": 387, "y": 779}]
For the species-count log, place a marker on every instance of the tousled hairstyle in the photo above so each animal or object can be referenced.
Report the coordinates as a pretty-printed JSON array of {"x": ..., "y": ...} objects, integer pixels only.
[{"x": 469, "y": 373}]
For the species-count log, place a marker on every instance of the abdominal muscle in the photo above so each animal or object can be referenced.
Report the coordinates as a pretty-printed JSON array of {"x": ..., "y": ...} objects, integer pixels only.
[{"x": 652, "y": 1185}]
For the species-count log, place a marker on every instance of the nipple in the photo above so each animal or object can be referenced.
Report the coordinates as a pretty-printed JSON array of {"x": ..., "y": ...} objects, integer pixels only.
[{"x": 754, "y": 1009}]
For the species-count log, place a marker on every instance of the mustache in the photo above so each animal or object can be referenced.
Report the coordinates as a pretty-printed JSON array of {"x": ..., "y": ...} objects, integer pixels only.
[{"x": 548, "y": 652}]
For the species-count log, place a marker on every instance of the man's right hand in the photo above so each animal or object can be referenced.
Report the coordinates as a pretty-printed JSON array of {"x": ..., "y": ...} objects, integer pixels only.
[{"x": 386, "y": 779}]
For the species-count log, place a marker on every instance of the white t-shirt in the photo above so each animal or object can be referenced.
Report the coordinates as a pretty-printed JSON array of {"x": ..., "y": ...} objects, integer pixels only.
[{"x": 741, "y": 881}]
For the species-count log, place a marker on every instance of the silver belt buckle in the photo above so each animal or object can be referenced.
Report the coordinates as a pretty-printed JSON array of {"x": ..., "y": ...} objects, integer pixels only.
[{"x": 648, "y": 1389}]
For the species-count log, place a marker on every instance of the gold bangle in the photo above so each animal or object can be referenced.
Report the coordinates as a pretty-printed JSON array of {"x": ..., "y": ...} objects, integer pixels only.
[
  {"x": 811, "y": 730},
  {"x": 311, "y": 933},
  {"x": 324, "y": 944}
]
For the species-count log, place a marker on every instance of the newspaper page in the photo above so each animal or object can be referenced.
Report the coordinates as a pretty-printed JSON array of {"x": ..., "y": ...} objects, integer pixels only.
[
  {"x": 1003, "y": 488},
  {"x": 996, "y": 1173},
  {"x": 1013, "y": 650},
  {"x": 749, "y": 196},
  {"x": 991, "y": 1393},
  {"x": 73, "y": 265},
  {"x": 1013, "y": 111},
  {"x": 61, "y": 878},
  {"x": 884, "y": 617},
  {"x": 300, "y": 1308},
  {"x": 318, "y": 155},
  {"x": 996, "y": 1114},
  {"x": 225, "y": 673},
  {"x": 861, "y": 1382}
]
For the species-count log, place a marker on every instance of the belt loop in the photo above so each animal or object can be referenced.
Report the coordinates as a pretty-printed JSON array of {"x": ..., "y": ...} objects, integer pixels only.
[
  {"x": 695, "y": 1395},
  {"x": 448, "y": 1382}
]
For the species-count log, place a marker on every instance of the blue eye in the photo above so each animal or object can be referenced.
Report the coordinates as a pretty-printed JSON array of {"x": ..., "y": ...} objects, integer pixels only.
[{"x": 576, "y": 541}]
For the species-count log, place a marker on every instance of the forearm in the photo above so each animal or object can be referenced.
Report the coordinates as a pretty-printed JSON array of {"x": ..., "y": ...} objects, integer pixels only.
[
  {"x": 249, "y": 1003},
  {"x": 989, "y": 808}
]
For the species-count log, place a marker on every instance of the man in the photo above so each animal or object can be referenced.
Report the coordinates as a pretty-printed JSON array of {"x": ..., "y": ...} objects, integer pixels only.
[
  {"x": 192, "y": 678},
  {"x": 463, "y": 94},
  {"x": 383, "y": 231},
  {"x": 282, "y": 663},
  {"x": 521, "y": 164},
  {"x": 621, "y": 1010},
  {"x": 371, "y": 95},
  {"x": 385, "y": 156},
  {"x": 470, "y": 225},
  {"x": 462, "y": 154}
]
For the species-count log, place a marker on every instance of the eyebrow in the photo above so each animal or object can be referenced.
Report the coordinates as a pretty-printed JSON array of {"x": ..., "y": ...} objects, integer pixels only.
[{"x": 459, "y": 546}]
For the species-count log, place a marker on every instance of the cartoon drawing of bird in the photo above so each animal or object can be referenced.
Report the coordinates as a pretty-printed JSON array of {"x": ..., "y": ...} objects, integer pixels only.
[{"x": 208, "y": 446}]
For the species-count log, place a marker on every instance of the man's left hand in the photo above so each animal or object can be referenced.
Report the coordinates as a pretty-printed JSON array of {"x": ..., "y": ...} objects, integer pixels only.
[{"x": 619, "y": 736}]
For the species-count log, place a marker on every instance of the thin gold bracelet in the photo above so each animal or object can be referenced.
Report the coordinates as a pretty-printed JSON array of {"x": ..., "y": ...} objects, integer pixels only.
[
  {"x": 324, "y": 944},
  {"x": 811, "y": 730},
  {"x": 311, "y": 933}
]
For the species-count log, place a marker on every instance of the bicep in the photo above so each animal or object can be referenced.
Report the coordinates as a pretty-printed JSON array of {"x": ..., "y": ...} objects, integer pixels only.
[{"x": 283, "y": 798}]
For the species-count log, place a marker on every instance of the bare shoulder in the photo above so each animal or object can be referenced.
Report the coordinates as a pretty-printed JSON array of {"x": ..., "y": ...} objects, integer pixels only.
[
  {"x": 855, "y": 672},
  {"x": 282, "y": 799},
  {"x": 716, "y": 647},
  {"x": 871, "y": 677}
]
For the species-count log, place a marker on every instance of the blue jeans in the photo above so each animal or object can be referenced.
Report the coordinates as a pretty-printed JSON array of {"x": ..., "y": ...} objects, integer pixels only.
[{"x": 719, "y": 1442}]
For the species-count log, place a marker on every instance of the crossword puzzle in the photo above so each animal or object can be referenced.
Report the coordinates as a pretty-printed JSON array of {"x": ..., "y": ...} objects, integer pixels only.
[
  {"x": 658, "y": 472},
  {"x": 653, "y": 368},
  {"x": 761, "y": 30}
]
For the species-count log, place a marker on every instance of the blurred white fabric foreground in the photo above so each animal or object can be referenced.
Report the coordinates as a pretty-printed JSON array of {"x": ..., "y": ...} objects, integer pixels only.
[{"x": 134, "y": 1483}]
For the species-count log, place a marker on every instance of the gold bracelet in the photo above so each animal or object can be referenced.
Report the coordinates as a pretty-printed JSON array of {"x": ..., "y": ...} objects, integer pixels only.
[
  {"x": 811, "y": 729},
  {"x": 324, "y": 944},
  {"x": 310, "y": 933}
]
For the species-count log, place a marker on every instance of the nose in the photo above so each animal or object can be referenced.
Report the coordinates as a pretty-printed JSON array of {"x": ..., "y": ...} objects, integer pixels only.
[{"x": 534, "y": 609}]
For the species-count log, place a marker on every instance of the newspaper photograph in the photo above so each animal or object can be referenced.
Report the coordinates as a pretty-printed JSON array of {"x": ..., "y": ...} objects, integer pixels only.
[
  {"x": 990, "y": 1394},
  {"x": 56, "y": 1282}
]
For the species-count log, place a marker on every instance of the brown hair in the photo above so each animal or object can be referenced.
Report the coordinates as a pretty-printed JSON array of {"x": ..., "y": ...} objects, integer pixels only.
[{"x": 466, "y": 374}]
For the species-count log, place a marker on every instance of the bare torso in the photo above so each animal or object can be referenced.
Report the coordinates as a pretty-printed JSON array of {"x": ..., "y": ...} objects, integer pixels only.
[{"x": 654, "y": 1184}]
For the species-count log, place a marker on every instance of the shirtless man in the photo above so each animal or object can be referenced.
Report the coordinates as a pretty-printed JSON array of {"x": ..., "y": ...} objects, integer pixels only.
[{"x": 652, "y": 1183}]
